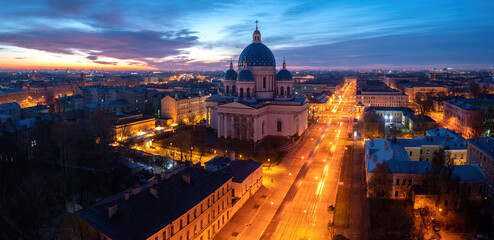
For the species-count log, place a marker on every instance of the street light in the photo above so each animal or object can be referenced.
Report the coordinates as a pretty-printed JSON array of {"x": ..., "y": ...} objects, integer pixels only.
[{"x": 269, "y": 161}]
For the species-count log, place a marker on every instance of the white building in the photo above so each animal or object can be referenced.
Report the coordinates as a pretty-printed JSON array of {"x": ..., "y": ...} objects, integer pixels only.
[{"x": 257, "y": 102}]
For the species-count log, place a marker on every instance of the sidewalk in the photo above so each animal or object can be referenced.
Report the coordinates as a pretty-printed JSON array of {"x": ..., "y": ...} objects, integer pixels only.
[{"x": 359, "y": 222}]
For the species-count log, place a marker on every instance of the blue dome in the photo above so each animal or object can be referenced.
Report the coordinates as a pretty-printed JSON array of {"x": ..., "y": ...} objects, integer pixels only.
[
  {"x": 257, "y": 54},
  {"x": 245, "y": 76},
  {"x": 284, "y": 75},
  {"x": 230, "y": 75}
]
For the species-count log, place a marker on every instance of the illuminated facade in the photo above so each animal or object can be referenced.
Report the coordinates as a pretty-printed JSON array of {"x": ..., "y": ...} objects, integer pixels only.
[
  {"x": 184, "y": 107},
  {"x": 125, "y": 125},
  {"x": 257, "y": 101}
]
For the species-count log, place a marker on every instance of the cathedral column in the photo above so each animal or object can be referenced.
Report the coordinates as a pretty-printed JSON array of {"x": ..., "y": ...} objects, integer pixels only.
[
  {"x": 255, "y": 129},
  {"x": 225, "y": 135},
  {"x": 232, "y": 126},
  {"x": 220, "y": 124}
]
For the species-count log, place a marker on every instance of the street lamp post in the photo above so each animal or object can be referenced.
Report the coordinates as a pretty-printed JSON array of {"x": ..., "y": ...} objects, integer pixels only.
[{"x": 269, "y": 165}]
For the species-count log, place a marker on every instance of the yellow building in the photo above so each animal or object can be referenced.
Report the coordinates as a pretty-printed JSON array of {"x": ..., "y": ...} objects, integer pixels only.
[
  {"x": 126, "y": 125},
  {"x": 184, "y": 107}
]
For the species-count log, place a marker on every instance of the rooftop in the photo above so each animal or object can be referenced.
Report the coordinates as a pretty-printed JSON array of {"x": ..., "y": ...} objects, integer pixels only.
[
  {"x": 143, "y": 214},
  {"x": 392, "y": 153},
  {"x": 240, "y": 169},
  {"x": 485, "y": 144},
  {"x": 472, "y": 103},
  {"x": 468, "y": 173}
]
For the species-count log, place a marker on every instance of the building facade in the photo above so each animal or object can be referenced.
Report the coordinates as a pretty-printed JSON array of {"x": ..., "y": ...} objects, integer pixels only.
[
  {"x": 184, "y": 107},
  {"x": 247, "y": 177},
  {"x": 186, "y": 203},
  {"x": 257, "y": 101},
  {"x": 481, "y": 152},
  {"x": 468, "y": 116}
]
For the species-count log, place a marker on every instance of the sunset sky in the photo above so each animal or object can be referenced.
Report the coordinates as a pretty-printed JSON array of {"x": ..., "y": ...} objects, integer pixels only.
[{"x": 204, "y": 35}]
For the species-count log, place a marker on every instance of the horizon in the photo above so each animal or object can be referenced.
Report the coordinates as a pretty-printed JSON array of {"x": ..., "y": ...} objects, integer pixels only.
[{"x": 204, "y": 36}]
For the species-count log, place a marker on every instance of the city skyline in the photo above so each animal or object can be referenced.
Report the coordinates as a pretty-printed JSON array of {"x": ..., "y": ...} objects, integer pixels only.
[{"x": 205, "y": 36}]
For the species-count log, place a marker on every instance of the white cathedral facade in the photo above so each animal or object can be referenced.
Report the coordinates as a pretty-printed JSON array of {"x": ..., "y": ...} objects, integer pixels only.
[{"x": 257, "y": 101}]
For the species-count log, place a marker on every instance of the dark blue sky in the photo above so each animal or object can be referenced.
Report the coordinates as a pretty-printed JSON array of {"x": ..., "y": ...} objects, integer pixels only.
[{"x": 205, "y": 34}]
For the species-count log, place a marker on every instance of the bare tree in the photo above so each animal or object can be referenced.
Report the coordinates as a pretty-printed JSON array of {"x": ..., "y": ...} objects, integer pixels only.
[
  {"x": 381, "y": 183},
  {"x": 72, "y": 227}
]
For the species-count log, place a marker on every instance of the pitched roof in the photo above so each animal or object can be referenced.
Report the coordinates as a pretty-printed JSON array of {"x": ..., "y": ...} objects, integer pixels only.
[
  {"x": 240, "y": 169},
  {"x": 143, "y": 214},
  {"x": 468, "y": 173}
]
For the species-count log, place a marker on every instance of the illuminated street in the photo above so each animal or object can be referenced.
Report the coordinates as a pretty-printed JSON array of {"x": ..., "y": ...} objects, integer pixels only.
[{"x": 303, "y": 185}]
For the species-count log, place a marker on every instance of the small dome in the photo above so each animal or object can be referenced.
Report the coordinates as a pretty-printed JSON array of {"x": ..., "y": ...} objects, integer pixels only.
[
  {"x": 231, "y": 74},
  {"x": 245, "y": 76},
  {"x": 284, "y": 75}
]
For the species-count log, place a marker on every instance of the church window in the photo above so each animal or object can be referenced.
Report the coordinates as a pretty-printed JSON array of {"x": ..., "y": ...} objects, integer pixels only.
[
  {"x": 264, "y": 82},
  {"x": 234, "y": 91},
  {"x": 248, "y": 92},
  {"x": 241, "y": 92},
  {"x": 227, "y": 90},
  {"x": 282, "y": 91},
  {"x": 288, "y": 91},
  {"x": 279, "y": 126}
]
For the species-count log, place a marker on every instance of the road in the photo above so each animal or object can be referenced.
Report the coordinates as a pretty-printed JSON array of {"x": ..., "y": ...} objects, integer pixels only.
[{"x": 299, "y": 190}]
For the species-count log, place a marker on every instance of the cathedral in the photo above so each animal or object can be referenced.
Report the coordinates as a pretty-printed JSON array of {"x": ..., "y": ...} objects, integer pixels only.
[{"x": 256, "y": 100}]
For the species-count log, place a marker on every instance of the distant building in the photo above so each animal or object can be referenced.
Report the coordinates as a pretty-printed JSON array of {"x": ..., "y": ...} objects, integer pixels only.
[
  {"x": 481, "y": 152},
  {"x": 377, "y": 94},
  {"x": 182, "y": 204},
  {"x": 134, "y": 96},
  {"x": 247, "y": 177},
  {"x": 13, "y": 96},
  {"x": 424, "y": 88},
  {"x": 45, "y": 90},
  {"x": 69, "y": 103},
  {"x": 106, "y": 107},
  {"x": 316, "y": 86},
  {"x": 469, "y": 116},
  {"x": 184, "y": 107},
  {"x": 128, "y": 124}
]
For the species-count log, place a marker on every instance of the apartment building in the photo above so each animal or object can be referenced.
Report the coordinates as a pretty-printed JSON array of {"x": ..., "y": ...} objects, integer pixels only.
[
  {"x": 184, "y": 107},
  {"x": 183, "y": 204},
  {"x": 481, "y": 152}
]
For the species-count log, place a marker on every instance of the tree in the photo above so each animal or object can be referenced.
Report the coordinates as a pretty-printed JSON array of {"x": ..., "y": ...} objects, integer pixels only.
[
  {"x": 424, "y": 101},
  {"x": 476, "y": 91},
  {"x": 381, "y": 183},
  {"x": 73, "y": 227}
]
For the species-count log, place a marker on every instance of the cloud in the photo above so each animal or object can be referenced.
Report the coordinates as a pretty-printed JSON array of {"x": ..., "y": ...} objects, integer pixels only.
[
  {"x": 106, "y": 63},
  {"x": 20, "y": 58},
  {"x": 92, "y": 57},
  {"x": 137, "y": 45}
]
